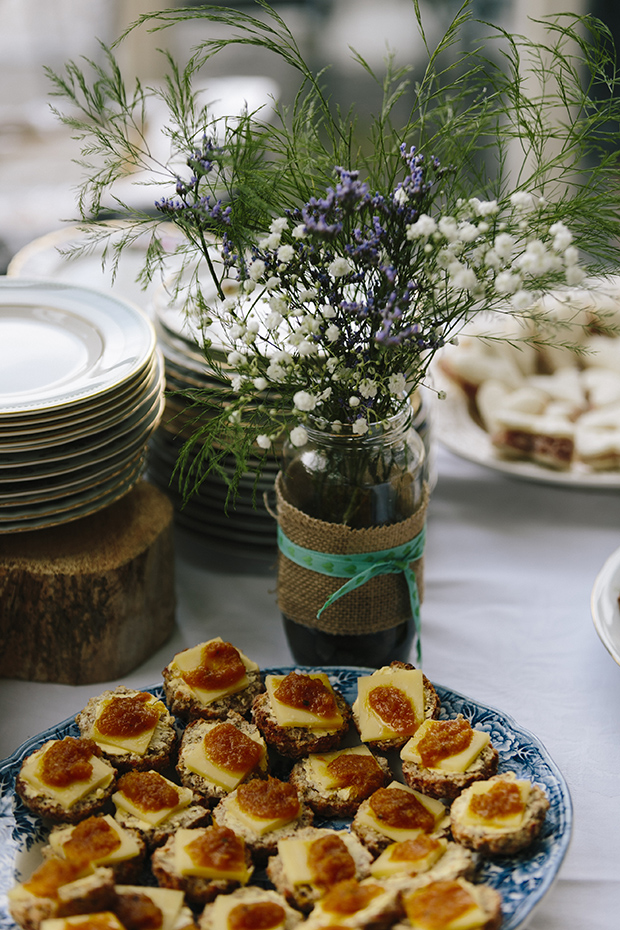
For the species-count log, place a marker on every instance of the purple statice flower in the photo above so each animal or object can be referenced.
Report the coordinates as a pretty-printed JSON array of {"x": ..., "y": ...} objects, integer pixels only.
[{"x": 350, "y": 192}]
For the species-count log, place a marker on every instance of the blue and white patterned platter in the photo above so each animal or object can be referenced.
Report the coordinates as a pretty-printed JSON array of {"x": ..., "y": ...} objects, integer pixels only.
[{"x": 521, "y": 880}]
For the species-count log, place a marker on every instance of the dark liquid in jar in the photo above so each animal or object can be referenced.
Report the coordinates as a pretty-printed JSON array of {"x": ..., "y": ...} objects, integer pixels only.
[{"x": 373, "y": 650}]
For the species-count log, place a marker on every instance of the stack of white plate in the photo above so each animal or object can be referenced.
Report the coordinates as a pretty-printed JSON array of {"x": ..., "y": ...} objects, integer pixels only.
[
  {"x": 81, "y": 391},
  {"x": 244, "y": 527}
]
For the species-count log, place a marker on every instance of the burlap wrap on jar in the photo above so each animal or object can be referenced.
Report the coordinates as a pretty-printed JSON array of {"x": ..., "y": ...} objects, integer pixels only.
[{"x": 379, "y": 604}]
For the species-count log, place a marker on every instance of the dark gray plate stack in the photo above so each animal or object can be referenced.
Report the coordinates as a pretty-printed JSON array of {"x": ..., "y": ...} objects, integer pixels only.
[{"x": 243, "y": 528}]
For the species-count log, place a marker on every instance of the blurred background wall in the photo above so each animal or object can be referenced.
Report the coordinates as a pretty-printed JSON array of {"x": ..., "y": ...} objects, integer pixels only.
[{"x": 37, "y": 175}]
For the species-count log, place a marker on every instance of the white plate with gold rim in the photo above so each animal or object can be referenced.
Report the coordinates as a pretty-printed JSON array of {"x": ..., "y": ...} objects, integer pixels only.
[
  {"x": 61, "y": 344},
  {"x": 124, "y": 396}
]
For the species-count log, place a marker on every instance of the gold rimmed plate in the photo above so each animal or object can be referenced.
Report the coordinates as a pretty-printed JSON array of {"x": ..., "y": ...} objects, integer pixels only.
[{"x": 61, "y": 344}]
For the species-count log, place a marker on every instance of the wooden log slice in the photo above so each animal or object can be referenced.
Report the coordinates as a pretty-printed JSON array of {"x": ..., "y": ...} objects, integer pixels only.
[{"x": 90, "y": 600}]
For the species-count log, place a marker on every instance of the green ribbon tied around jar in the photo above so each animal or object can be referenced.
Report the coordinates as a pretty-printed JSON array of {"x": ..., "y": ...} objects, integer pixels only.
[{"x": 359, "y": 568}]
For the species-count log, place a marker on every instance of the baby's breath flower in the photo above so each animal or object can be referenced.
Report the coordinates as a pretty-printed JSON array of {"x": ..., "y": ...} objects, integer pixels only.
[
  {"x": 467, "y": 232},
  {"x": 504, "y": 245},
  {"x": 507, "y": 283},
  {"x": 307, "y": 348},
  {"x": 270, "y": 242},
  {"x": 522, "y": 201},
  {"x": 263, "y": 441},
  {"x": 522, "y": 299},
  {"x": 299, "y": 436},
  {"x": 303, "y": 400},
  {"x": 276, "y": 372},
  {"x": 257, "y": 269},
  {"x": 354, "y": 401},
  {"x": 278, "y": 225},
  {"x": 484, "y": 207},
  {"x": 332, "y": 332},
  {"x": 285, "y": 254},
  {"x": 562, "y": 236},
  {"x": 462, "y": 277},
  {"x": 574, "y": 275},
  {"x": 360, "y": 426},
  {"x": 448, "y": 228},
  {"x": 278, "y": 304},
  {"x": 492, "y": 259},
  {"x": 340, "y": 267},
  {"x": 397, "y": 383},
  {"x": 260, "y": 383},
  {"x": 368, "y": 388},
  {"x": 424, "y": 226}
]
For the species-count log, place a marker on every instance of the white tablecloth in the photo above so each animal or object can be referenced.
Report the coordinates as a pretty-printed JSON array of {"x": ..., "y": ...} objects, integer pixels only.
[{"x": 506, "y": 620}]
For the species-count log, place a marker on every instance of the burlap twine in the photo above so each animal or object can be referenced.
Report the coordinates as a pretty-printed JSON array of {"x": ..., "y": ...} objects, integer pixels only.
[{"x": 381, "y": 603}]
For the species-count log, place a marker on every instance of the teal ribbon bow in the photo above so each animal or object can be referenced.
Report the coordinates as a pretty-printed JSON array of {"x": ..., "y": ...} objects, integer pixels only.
[{"x": 361, "y": 567}]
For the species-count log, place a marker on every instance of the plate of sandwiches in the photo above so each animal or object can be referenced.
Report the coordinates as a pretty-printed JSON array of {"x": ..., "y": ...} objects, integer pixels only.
[
  {"x": 305, "y": 796},
  {"x": 545, "y": 412}
]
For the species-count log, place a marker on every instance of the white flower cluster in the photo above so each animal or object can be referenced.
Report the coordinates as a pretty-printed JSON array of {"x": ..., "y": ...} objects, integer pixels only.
[
  {"x": 286, "y": 337},
  {"x": 485, "y": 260}
]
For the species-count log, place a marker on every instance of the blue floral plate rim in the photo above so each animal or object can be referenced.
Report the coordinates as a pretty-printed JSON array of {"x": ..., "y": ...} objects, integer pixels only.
[{"x": 521, "y": 880}]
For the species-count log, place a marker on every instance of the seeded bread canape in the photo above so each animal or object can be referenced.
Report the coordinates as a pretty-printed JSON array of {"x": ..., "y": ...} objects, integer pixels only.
[
  {"x": 446, "y": 756},
  {"x": 59, "y": 888},
  {"x": 210, "y": 680},
  {"x": 445, "y": 904},
  {"x": 203, "y": 863},
  {"x": 216, "y": 756},
  {"x": 423, "y": 855},
  {"x": 500, "y": 816},
  {"x": 301, "y": 713},
  {"x": 99, "y": 841},
  {"x": 397, "y": 813},
  {"x": 335, "y": 783},
  {"x": 133, "y": 729},
  {"x": 152, "y": 804},
  {"x": 366, "y": 904},
  {"x": 263, "y": 812},
  {"x": 248, "y": 909},
  {"x": 313, "y": 860},
  {"x": 391, "y": 704},
  {"x": 66, "y": 780},
  {"x": 139, "y": 907},
  {"x": 134, "y": 908}
]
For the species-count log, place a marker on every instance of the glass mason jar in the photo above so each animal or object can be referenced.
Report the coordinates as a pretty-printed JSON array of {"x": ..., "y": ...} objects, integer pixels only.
[{"x": 374, "y": 480}]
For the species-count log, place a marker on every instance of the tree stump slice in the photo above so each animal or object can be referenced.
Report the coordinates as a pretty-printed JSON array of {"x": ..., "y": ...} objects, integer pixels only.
[{"x": 90, "y": 600}]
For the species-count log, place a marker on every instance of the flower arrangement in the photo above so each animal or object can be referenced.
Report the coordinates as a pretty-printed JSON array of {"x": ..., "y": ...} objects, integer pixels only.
[
  {"x": 343, "y": 261},
  {"x": 347, "y": 298}
]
